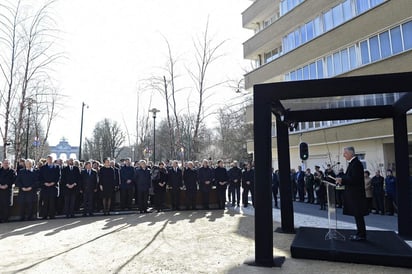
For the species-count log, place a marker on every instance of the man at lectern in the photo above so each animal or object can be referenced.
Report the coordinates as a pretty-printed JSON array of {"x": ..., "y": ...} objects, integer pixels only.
[{"x": 355, "y": 203}]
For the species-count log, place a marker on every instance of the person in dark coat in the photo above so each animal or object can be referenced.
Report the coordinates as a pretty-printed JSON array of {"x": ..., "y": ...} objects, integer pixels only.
[
  {"x": 175, "y": 182},
  {"x": 7, "y": 178},
  {"x": 275, "y": 186},
  {"x": 27, "y": 182},
  {"x": 144, "y": 181},
  {"x": 221, "y": 179},
  {"x": 159, "y": 187},
  {"x": 190, "y": 180},
  {"x": 49, "y": 183},
  {"x": 126, "y": 184},
  {"x": 70, "y": 181},
  {"x": 320, "y": 189},
  {"x": 107, "y": 183},
  {"x": 205, "y": 177},
  {"x": 248, "y": 184},
  {"x": 88, "y": 186},
  {"x": 300, "y": 184},
  {"x": 354, "y": 203},
  {"x": 390, "y": 192},
  {"x": 235, "y": 177},
  {"x": 378, "y": 192}
]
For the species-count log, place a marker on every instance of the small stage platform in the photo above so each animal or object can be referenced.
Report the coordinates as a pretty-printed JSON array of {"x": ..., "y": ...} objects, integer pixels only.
[{"x": 381, "y": 248}]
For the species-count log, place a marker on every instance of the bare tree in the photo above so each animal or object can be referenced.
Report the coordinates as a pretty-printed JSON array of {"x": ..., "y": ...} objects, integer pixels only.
[
  {"x": 29, "y": 37},
  {"x": 206, "y": 53}
]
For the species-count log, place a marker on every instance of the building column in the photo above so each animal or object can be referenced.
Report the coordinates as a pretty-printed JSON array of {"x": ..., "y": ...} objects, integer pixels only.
[
  {"x": 403, "y": 187},
  {"x": 285, "y": 185}
]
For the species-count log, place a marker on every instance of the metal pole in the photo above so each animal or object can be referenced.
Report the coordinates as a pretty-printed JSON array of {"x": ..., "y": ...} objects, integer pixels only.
[
  {"x": 154, "y": 138},
  {"x": 27, "y": 132},
  {"x": 81, "y": 132}
]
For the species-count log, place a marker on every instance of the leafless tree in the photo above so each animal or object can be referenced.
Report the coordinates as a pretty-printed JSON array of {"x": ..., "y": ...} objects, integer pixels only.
[{"x": 206, "y": 53}]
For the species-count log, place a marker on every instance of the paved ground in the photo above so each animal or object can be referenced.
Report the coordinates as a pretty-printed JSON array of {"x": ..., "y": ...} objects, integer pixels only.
[{"x": 168, "y": 242}]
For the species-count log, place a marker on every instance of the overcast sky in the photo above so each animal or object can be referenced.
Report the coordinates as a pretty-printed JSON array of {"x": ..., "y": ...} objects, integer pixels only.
[{"x": 112, "y": 45}]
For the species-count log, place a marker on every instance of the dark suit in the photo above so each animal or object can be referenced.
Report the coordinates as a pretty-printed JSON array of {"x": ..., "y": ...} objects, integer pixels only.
[
  {"x": 205, "y": 174},
  {"x": 221, "y": 179},
  {"x": 175, "y": 180},
  {"x": 48, "y": 194},
  {"x": 7, "y": 177},
  {"x": 88, "y": 185},
  {"x": 190, "y": 179},
  {"x": 235, "y": 177},
  {"x": 248, "y": 176},
  {"x": 27, "y": 179},
  {"x": 70, "y": 178},
  {"x": 275, "y": 187},
  {"x": 355, "y": 203}
]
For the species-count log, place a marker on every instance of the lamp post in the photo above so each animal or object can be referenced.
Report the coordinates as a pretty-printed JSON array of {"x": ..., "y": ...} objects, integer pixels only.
[
  {"x": 154, "y": 111},
  {"x": 81, "y": 131},
  {"x": 29, "y": 101}
]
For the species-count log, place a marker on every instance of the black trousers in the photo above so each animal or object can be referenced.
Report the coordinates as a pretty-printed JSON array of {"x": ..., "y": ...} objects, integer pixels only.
[
  {"x": 301, "y": 192},
  {"x": 360, "y": 226},
  {"x": 48, "y": 203},
  {"x": 234, "y": 193},
  {"x": 69, "y": 202},
  {"x": 205, "y": 199},
  {"x": 191, "y": 199},
  {"x": 4, "y": 204},
  {"x": 88, "y": 201},
  {"x": 221, "y": 197},
  {"x": 245, "y": 194},
  {"x": 378, "y": 197},
  {"x": 175, "y": 198},
  {"x": 126, "y": 197},
  {"x": 160, "y": 198},
  {"x": 275, "y": 196},
  {"x": 143, "y": 198},
  {"x": 26, "y": 200}
]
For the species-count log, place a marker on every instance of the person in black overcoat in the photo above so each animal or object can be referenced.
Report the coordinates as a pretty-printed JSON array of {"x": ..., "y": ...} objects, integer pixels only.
[
  {"x": 205, "y": 176},
  {"x": 49, "y": 183},
  {"x": 7, "y": 178},
  {"x": 144, "y": 182},
  {"x": 88, "y": 186},
  {"x": 248, "y": 184},
  {"x": 221, "y": 179},
  {"x": 107, "y": 183},
  {"x": 175, "y": 182},
  {"x": 27, "y": 182},
  {"x": 275, "y": 186},
  {"x": 354, "y": 203},
  {"x": 126, "y": 184},
  {"x": 190, "y": 179},
  {"x": 70, "y": 181},
  {"x": 159, "y": 187},
  {"x": 235, "y": 177}
]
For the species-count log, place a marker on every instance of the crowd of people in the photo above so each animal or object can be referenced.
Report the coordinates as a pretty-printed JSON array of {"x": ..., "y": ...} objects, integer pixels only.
[
  {"x": 310, "y": 187},
  {"x": 72, "y": 186}
]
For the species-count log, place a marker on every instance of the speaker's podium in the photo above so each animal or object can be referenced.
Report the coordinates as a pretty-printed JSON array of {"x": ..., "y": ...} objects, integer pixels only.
[{"x": 332, "y": 233}]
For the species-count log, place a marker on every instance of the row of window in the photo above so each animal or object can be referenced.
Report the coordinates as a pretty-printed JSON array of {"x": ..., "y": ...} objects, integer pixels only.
[
  {"x": 385, "y": 44},
  {"x": 288, "y": 5},
  {"x": 327, "y": 21}
]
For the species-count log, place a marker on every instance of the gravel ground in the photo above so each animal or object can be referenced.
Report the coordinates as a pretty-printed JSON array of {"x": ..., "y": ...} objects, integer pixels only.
[{"x": 167, "y": 242}]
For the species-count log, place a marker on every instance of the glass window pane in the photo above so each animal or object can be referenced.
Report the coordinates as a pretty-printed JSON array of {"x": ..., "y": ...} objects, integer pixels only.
[
  {"x": 379, "y": 99},
  {"x": 347, "y": 10},
  {"x": 303, "y": 34},
  {"x": 364, "y": 52},
  {"x": 396, "y": 40},
  {"x": 407, "y": 35},
  {"x": 299, "y": 74},
  {"x": 352, "y": 57},
  {"x": 312, "y": 71},
  {"x": 337, "y": 63},
  {"x": 374, "y": 48},
  {"x": 337, "y": 15},
  {"x": 297, "y": 38},
  {"x": 329, "y": 66},
  {"x": 318, "y": 26},
  {"x": 362, "y": 6},
  {"x": 305, "y": 72},
  {"x": 309, "y": 30},
  {"x": 328, "y": 20},
  {"x": 319, "y": 69},
  {"x": 345, "y": 60},
  {"x": 376, "y": 2},
  {"x": 293, "y": 75},
  {"x": 385, "y": 44}
]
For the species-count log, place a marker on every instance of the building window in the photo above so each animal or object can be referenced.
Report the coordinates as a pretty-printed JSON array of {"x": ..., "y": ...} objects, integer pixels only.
[
  {"x": 374, "y": 48},
  {"x": 385, "y": 44},
  {"x": 407, "y": 35},
  {"x": 396, "y": 40},
  {"x": 364, "y": 50}
]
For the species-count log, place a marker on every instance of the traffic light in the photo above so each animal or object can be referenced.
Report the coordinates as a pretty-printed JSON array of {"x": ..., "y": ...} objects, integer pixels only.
[{"x": 303, "y": 151}]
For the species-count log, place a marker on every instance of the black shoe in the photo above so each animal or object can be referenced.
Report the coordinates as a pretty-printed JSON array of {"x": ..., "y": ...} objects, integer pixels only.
[
  {"x": 91, "y": 214},
  {"x": 357, "y": 238}
]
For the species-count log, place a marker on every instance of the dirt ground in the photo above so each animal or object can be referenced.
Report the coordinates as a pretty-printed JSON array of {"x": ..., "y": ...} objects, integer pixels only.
[{"x": 167, "y": 242}]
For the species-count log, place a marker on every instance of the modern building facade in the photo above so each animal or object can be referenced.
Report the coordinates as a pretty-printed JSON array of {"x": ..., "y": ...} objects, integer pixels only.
[{"x": 314, "y": 39}]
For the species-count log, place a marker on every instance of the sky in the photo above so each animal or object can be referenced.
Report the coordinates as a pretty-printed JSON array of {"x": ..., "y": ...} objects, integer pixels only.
[{"x": 112, "y": 46}]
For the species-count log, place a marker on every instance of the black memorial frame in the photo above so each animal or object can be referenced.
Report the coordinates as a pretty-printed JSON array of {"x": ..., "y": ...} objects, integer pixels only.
[{"x": 270, "y": 99}]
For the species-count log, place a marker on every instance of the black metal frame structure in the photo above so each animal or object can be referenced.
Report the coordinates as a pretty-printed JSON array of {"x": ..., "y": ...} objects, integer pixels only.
[{"x": 269, "y": 99}]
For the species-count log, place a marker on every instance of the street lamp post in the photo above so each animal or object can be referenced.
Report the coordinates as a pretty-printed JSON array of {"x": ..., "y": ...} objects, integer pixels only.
[
  {"x": 81, "y": 130},
  {"x": 154, "y": 111},
  {"x": 30, "y": 101}
]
